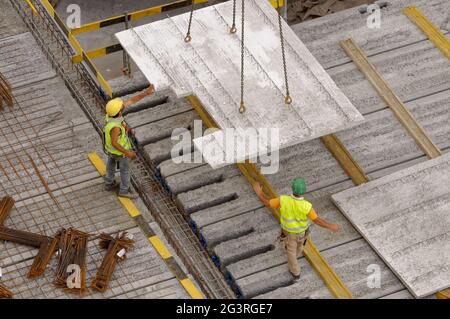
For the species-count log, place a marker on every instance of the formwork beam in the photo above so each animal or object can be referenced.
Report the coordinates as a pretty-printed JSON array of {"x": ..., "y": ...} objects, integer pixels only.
[
  {"x": 429, "y": 29},
  {"x": 390, "y": 98}
]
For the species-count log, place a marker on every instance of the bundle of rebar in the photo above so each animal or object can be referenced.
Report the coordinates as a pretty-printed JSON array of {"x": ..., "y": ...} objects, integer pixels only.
[
  {"x": 6, "y": 205},
  {"x": 46, "y": 252},
  {"x": 116, "y": 250},
  {"x": 72, "y": 250},
  {"x": 22, "y": 237},
  {"x": 5, "y": 92},
  {"x": 5, "y": 292}
]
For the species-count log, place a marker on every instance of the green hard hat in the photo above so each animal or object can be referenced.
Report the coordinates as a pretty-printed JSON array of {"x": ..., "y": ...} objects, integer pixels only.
[{"x": 298, "y": 186}]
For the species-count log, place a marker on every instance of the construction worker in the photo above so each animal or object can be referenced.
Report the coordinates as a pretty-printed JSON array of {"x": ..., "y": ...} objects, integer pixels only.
[
  {"x": 294, "y": 214},
  {"x": 117, "y": 144}
]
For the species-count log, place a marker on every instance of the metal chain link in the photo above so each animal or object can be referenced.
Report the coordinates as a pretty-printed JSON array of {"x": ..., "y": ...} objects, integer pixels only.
[
  {"x": 242, "y": 105},
  {"x": 287, "y": 99},
  {"x": 233, "y": 27},
  {"x": 188, "y": 37}
]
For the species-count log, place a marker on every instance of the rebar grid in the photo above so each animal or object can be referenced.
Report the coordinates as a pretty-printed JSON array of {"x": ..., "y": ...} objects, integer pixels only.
[{"x": 80, "y": 82}]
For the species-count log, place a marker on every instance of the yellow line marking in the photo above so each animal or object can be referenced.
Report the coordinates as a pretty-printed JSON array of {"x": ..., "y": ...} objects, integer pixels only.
[
  {"x": 160, "y": 247},
  {"x": 191, "y": 289},
  {"x": 98, "y": 163},
  {"x": 132, "y": 210},
  {"x": 155, "y": 240},
  {"x": 429, "y": 29},
  {"x": 127, "y": 203},
  {"x": 336, "y": 286}
]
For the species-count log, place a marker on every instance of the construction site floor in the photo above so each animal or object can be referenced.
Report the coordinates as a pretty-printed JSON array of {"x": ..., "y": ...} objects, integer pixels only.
[
  {"x": 46, "y": 133},
  {"x": 239, "y": 233}
]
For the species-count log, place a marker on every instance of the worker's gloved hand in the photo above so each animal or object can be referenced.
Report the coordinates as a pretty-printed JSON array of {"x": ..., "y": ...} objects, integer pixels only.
[{"x": 130, "y": 154}]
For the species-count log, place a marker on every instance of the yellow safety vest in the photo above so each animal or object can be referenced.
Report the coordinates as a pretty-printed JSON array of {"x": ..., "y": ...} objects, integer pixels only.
[
  {"x": 294, "y": 214},
  {"x": 123, "y": 139}
]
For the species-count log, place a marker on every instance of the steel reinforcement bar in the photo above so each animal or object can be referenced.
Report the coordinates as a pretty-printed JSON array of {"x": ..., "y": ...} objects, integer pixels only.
[{"x": 58, "y": 50}]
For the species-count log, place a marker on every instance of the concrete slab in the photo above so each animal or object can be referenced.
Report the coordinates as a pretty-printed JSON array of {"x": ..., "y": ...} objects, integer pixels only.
[
  {"x": 158, "y": 112},
  {"x": 322, "y": 36},
  {"x": 164, "y": 128},
  {"x": 352, "y": 262},
  {"x": 10, "y": 23},
  {"x": 196, "y": 71},
  {"x": 412, "y": 73},
  {"x": 22, "y": 61},
  {"x": 404, "y": 216}
]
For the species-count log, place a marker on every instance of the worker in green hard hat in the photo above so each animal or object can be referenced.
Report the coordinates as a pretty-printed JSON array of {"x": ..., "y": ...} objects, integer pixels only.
[{"x": 295, "y": 213}]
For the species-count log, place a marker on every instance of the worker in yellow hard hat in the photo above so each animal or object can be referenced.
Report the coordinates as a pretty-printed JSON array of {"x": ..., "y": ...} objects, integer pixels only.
[
  {"x": 117, "y": 144},
  {"x": 294, "y": 214}
]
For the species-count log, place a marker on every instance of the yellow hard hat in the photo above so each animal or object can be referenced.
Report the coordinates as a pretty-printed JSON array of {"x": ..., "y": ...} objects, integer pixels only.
[{"x": 114, "y": 106}]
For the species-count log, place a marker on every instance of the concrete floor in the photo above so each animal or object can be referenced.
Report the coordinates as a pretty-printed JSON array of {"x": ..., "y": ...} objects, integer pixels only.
[
  {"x": 229, "y": 219},
  {"x": 48, "y": 125}
]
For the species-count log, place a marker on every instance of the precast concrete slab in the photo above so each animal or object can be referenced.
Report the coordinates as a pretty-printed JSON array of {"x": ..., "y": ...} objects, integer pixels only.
[
  {"x": 405, "y": 218},
  {"x": 208, "y": 67},
  {"x": 395, "y": 30}
]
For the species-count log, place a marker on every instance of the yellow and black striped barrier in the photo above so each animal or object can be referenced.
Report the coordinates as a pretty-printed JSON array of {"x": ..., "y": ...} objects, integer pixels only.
[
  {"x": 133, "y": 16},
  {"x": 75, "y": 44},
  {"x": 153, "y": 239}
]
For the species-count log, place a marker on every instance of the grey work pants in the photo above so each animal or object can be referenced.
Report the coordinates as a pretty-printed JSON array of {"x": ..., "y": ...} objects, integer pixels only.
[{"x": 124, "y": 165}]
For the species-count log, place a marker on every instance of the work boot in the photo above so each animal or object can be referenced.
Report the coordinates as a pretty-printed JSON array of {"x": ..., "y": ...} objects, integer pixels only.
[
  {"x": 129, "y": 194},
  {"x": 110, "y": 187},
  {"x": 295, "y": 278}
]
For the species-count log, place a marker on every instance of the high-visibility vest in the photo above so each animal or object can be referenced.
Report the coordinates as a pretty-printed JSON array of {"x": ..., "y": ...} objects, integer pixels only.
[
  {"x": 294, "y": 214},
  {"x": 123, "y": 139}
]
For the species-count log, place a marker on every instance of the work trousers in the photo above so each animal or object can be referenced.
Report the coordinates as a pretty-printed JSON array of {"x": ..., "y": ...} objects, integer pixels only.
[
  {"x": 293, "y": 244},
  {"x": 124, "y": 166}
]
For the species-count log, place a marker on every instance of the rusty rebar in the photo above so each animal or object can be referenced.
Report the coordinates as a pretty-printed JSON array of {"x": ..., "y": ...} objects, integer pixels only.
[
  {"x": 5, "y": 292},
  {"x": 116, "y": 251},
  {"x": 72, "y": 251},
  {"x": 41, "y": 260},
  {"x": 6, "y": 204}
]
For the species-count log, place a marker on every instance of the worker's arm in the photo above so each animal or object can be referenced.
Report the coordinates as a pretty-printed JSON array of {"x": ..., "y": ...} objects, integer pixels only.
[
  {"x": 115, "y": 132},
  {"x": 259, "y": 192},
  {"x": 322, "y": 222},
  {"x": 140, "y": 96}
]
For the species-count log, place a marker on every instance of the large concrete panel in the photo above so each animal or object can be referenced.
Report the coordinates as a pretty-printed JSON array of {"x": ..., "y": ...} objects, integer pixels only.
[
  {"x": 322, "y": 36},
  {"x": 209, "y": 67},
  {"x": 405, "y": 218}
]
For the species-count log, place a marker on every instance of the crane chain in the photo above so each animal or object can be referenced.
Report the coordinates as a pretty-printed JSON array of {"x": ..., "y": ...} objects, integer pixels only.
[
  {"x": 233, "y": 27},
  {"x": 287, "y": 99},
  {"x": 242, "y": 105},
  {"x": 188, "y": 37}
]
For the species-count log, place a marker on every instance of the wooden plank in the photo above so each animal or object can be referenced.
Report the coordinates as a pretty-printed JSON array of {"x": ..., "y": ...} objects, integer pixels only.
[
  {"x": 390, "y": 98},
  {"x": 429, "y": 29},
  {"x": 345, "y": 159}
]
